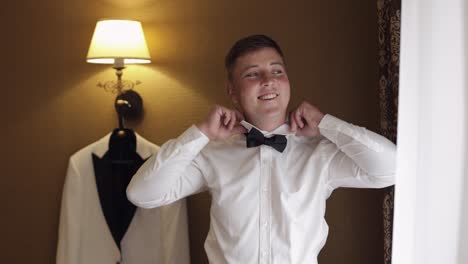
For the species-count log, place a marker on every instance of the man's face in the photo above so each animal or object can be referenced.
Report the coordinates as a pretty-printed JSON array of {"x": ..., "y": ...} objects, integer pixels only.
[{"x": 260, "y": 85}]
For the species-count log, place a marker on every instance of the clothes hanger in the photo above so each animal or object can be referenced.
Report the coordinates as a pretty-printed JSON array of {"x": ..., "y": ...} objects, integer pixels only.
[
  {"x": 122, "y": 143},
  {"x": 115, "y": 169}
]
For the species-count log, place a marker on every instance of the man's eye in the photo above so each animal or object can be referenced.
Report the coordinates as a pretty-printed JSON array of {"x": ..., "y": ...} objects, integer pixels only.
[
  {"x": 277, "y": 71},
  {"x": 251, "y": 74}
]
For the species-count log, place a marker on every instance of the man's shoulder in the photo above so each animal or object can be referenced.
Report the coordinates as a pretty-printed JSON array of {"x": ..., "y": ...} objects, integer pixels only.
[
  {"x": 222, "y": 152},
  {"x": 233, "y": 141},
  {"x": 315, "y": 143},
  {"x": 307, "y": 140}
]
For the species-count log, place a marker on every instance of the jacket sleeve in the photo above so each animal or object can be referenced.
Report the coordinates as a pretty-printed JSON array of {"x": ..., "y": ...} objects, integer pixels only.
[
  {"x": 69, "y": 226},
  {"x": 363, "y": 159},
  {"x": 173, "y": 173}
]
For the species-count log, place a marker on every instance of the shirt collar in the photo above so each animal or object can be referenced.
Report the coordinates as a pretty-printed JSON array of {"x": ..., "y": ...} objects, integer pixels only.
[
  {"x": 102, "y": 146},
  {"x": 281, "y": 130}
]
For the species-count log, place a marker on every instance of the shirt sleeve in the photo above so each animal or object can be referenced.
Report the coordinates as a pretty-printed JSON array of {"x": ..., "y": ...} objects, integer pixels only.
[
  {"x": 171, "y": 174},
  {"x": 363, "y": 158}
]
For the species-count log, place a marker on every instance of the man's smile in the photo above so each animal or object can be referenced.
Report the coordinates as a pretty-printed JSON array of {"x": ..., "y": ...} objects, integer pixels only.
[{"x": 268, "y": 96}]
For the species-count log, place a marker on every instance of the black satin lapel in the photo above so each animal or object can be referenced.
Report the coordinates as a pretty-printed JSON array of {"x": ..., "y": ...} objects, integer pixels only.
[{"x": 111, "y": 182}]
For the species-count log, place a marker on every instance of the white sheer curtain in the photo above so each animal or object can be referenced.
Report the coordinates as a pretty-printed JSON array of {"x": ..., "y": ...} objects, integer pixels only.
[{"x": 431, "y": 193}]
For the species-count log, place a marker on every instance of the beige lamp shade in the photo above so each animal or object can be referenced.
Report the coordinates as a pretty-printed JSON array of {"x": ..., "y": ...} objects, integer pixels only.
[{"x": 117, "y": 40}]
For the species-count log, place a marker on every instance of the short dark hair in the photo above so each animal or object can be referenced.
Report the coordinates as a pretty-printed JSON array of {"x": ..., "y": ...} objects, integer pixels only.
[{"x": 246, "y": 45}]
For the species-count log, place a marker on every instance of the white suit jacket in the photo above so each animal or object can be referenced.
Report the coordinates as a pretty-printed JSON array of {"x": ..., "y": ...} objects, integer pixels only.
[{"x": 154, "y": 236}]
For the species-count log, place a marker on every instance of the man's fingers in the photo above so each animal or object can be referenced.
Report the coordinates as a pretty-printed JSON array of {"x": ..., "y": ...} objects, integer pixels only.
[
  {"x": 292, "y": 122},
  {"x": 232, "y": 119},
  {"x": 238, "y": 129},
  {"x": 235, "y": 127},
  {"x": 298, "y": 118},
  {"x": 227, "y": 118},
  {"x": 239, "y": 116},
  {"x": 300, "y": 133}
]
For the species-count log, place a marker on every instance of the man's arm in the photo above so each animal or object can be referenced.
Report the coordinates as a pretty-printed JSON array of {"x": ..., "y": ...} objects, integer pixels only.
[
  {"x": 364, "y": 159},
  {"x": 171, "y": 174},
  {"x": 175, "y": 172}
]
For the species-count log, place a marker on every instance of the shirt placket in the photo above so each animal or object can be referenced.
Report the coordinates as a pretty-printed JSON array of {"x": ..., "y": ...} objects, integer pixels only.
[{"x": 265, "y": 169}]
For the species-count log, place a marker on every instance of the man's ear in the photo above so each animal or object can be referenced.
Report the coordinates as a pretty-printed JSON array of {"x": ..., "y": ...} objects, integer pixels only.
[{"x": 232, "y": 92}]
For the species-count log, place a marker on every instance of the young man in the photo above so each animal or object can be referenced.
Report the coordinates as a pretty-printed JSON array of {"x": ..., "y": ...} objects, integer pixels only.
[{"x": 270, "y": 185}]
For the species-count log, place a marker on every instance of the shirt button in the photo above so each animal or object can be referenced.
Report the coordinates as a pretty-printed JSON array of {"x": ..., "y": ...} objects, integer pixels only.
[{"x": 265, "y": 223}]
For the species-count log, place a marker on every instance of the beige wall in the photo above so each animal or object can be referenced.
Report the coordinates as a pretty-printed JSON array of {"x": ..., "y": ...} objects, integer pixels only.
[{"x": 53, "y": 108}]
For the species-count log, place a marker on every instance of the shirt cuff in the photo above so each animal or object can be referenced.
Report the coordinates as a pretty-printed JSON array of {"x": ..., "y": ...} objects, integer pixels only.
[
  {"x": 193, "y": 140},
  {"x": 341, "y": 132},
  {"x": 330, "y": 126}
]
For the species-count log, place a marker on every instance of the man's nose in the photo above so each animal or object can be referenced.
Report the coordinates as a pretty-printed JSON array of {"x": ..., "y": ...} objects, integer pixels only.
[{"x": 267, "y": 79}]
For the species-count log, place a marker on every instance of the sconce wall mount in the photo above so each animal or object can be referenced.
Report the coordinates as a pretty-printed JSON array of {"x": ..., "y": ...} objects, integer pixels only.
[{"x": 120, "y": 42}]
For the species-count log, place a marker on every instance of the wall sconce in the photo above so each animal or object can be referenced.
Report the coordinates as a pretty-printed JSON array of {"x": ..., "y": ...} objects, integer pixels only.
[{"x": 120, "y": 42}]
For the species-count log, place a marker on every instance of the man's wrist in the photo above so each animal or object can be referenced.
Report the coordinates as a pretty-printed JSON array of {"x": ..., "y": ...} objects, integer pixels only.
[
  {"x": 321, "y": 116},
  {"x": 203, "y": 129}
]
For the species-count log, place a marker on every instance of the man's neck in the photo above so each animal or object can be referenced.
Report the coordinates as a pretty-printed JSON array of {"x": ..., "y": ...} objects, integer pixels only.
[{"x": 267, "y": 124}]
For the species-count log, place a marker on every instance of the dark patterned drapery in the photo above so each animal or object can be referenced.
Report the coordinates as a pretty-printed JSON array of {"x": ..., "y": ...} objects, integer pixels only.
[{"x": 388, "y": 17}]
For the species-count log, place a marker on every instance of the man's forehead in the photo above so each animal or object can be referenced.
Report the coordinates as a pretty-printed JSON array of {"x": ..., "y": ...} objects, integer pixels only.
[
  {"x": 254, "y": 65},
  {"x": 259, "y": 53}
]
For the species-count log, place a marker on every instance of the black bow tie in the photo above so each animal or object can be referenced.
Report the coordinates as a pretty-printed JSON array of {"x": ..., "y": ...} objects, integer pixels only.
[{"x": 256, "y": 138}]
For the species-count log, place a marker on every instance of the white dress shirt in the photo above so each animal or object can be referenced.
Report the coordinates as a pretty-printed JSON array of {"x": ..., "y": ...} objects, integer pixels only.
[{"x": 267, "y": 206}]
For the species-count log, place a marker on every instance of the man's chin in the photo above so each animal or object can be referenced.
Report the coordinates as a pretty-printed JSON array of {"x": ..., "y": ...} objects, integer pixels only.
[{"x": 271, "y": 113}]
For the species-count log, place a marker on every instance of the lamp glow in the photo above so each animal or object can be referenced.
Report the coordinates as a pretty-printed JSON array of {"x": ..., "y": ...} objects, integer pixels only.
[{"x": 118, "y": 42}]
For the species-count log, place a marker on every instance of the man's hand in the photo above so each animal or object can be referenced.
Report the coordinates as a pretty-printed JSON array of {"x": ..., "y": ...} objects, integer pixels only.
[
  {"x": 305, "y": 119},
  {"x": 222, "y": 123}
]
